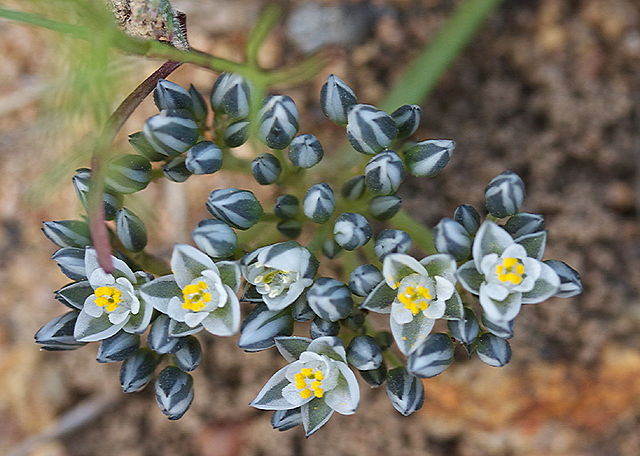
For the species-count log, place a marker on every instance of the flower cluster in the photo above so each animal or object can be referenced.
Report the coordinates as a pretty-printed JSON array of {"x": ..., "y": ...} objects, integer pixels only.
[{"x": 244, "y": 261}]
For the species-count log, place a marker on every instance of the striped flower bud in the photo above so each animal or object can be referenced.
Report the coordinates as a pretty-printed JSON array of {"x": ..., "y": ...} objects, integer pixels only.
[
  {"x": 169, "y": 95},
  {"x": 336, "y": 98},
  {"x": 504, "y": 194},
  {"x": 450, "y": 237},
  {"x": 112, "y": 201},
  {"x": 171, "y": 132},
  {"x": 369, "y": 129},
  {"x": 160, "y": 339},
  {"x": 137, "y": 370},
  {"x": 384, "y": 173},
  {"x": 188, "y": 358},
  {"x": 174, "y": 392},
  {"x": 364, "y": 353},
  {"x": 139, "y": 142},
  {"x": 428, "y": 158},
  {"x": 70, "y": 260},
  {"x": 330, "y": 299},
  {"x": 128, "y": 174},
  {"x": 524, "y": 223},
  {"x": 432, "y": 357},
  {"x": 176, "y": 170},
  {"x": 351, "y": 231},
  {"x": 353, "y": 189},
  {"x": 375, "y": 377},
  {"x": 278, "y": 121},
  {"x": 300, "y": 310},
  {"x": 283, "y": 420},
  {"x": 130, "y": 230},
  {"x": 305, "y": 151},
  {"x": 67, "y": 233},
  {"x": 493, "y": 350},
  {"x": 322, "y": 328},
  {"x": 238, "y": 208},
  {"x": 286, "y": 207},
  {"x": 204, "y": 158},
  {"x": 363, "y": 279},
  {"x": 118, "y": 347},
  {"x": 231, "y": 94},
  {"x": 405, "y": 391},
  {"x": 570, "y": 283},
  {"x": 468, "y": 217},
  {"x": 407, "y": 119},
  {"x": 289, "y": 228},
  {"x": 331, "y": 249},
  {"x": 384, "y": 207},
  {"x": 236, "y": 133},
  {"x": 502, "y": 329},
  {"x": 198, "y": 105},
  {"x": 262, "y": 325},
  {"x": 57, "y": 334},
  {"x": 391, "y": 241},
  {"x": 266, "y": 169},
  {"x": 215, "y": 238},
  {"x": 465, "y": 330},
  {"x": 319, "y": 203}
]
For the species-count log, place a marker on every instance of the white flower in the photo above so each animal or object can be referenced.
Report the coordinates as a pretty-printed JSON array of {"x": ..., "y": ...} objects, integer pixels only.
[
  {"x": 423, "y": 291},
  {"x": 505, "y": 275},
  {"x": 317, "y": 380},
  {"x": 280, "y": 272},
  {"x": 199, "y": 294},
  {"x": 114, "y": 303}
]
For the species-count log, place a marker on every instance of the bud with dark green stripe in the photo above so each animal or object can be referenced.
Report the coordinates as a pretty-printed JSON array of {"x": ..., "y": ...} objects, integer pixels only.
[
  {"x": 331, "y": 248},
  {"x": 364, "y": 279},
  {"x": 524, "y": 223},
  {"x": 67, "y": 233},
  {"x": 236, "y": 133},
  {"x": 198, "y": 105},
  {"x": 112, "y": 201},
  {"x": 189, "y": 356},
  {"x": 405, "y": 391},
  {"x": 262, "y": 325},
  {"x": 278, "y": 121},
  {"x": 432, "y": 357},
  {"x": 428, "y": 158},
  {"x": 266, "y": 169},
  {"x": 128, "y": 174},
  {"x": 369, "y": 129},
  {"x": 137, "y": 370},
  {"x": 570, "y": 283},
  {"x": 171, "y": 132},
  {"x": 351, "y": 231},
  {"x": 391, "y": 241},
  {"x": 319, "y": 203},
  {"x": 118, "y": 347},
  {"x": 322, "y": 328},
  {"x": 468, "y": 217},
  {"x": 238, "y": 208},
  {"x": 169, "y": 95},
  {"x": 384, "y": 173},
  {"x": 450, "y": 237},
  {"x": 336, "y": 98},
  {"x": 353, "y": 189},
  {"x": 286, "y": 207},
  {"x": 176, "y": 170},
  {"x": 364, "y": 353},
  {"x": 504, "y": 194},
  {"x": 204, "y": 158},
  {"x": 57, "y": 334},
  {"x": 305, "y": 151},
  {"x": 139, "y": 142},
  {"x": 130, "y": 230},
  {"x": 174, "y": 392},
  {"x": 231, "y": 94},
  {"x": 384, "y": 207},
  {"x": 215, "y": 238},
  {"x": 407, "y": 119},
  {"x": 330, "y": 299}
]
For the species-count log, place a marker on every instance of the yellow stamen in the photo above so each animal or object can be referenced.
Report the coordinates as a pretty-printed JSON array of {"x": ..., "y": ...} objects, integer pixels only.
[
  {"x": 108, "y": 297},
  {"x": 305, "y": 393},
  {"x": 301, "y": 381},
  {"x": 415, "y": 298},
  {"x": 511, "y": 270},
  {"x": 195, "y": 296}
]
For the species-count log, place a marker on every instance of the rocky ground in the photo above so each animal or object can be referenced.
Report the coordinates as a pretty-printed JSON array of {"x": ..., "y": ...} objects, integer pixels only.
[{"x": 548, "y": 89}]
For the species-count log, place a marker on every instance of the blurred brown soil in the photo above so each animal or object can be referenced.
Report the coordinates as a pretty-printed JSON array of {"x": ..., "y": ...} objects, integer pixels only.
[{"x": 549, "y": 89}]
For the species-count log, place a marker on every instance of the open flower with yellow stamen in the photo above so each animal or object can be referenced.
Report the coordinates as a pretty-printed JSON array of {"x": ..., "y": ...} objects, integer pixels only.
[
  {"x": 199, "y": 294},
  {"x": 317, "y": 380},
  {"x": 423, "y": 291},
  {"x": 113, "y": 304},
  {"x": 506, "y": 274}
]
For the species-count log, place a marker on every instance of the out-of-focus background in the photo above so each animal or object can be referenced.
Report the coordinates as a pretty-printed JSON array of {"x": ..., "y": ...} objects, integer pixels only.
[{"x": 547, "y": 88}]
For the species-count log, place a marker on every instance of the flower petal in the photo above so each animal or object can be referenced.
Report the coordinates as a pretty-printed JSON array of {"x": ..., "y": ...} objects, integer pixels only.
[
  {"x": 506, "y": 309},
  {"x": 397, "y": 266},
  {"x": 270, "y": 396},
  {"x": 490, "y": 239},
  {"x": 139, "y": 322},
  {"x": 444, "y": 288},
  {"x": 400, "y": 314},
  {"x": 496, "y": 291},
  {"x": 442, "y": 264},
  {"x": 230, "y": 274},
  {"x": 454, "y": 308},
  {"x": 534, "y": 244},
  {"x": 187, "y": 264},
  {"x": 314, "y": 415},
  {"x": 89, "y": 329},
  {"x": 380, "y": 298},
  {"x": 344, "y": 398},
  {"x": 329, "y": 346},
  {"x": 435, "y": 310},
  {"x": 91, "y": 308},
  {"x": 409, "y": 336},
  {"x": 292, "y": 347},
  {"x": 283, "y": 300},
  {"x": 160, "y": 291},
  {"x": 547, "y": 284},
  {"x": 224, "y": 321},
  {"x": 470, "y": 278}
]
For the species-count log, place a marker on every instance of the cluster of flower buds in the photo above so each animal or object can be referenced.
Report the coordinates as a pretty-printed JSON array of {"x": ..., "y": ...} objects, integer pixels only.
[{"x": 230, "y": 284}]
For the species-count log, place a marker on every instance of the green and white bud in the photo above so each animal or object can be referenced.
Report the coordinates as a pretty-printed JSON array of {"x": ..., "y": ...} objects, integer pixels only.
[
  {"x": 262, "y": 325},
  {"x": 67, "y": 233},
  {"x": 169, "y": 95},
  {"x": 504, "y": 194},
  {"x": 283, "y": 420},
  {"x": 428, "y": 158},
  {"x": 493, "y": 350},
  {"x": 369, "y": 129},
  {"x": 130, "y": 230},
  {"x": 351, "y": 231},
  {"x": 353, "y": 189},
  {"x": 407, "y": 119},
  {"x": 174, "y": 392},
  {"x": 231, "y": 94},
  {"x": 139, "y": 142},
  {"x": 405, "y": 391},
  {"x": 57, "y": 334},
  {"x": 188, "y": 358},
  {"x": 237, "y": 133},
  {"x": 321, "y": 328},
  {"x": 204, "y": 158},
  {"x": 384, "y": 207},
  {"x": 171, "y": 132},
  {"x": 266, "y": 169},
  {"x": 286, "y": 207},
  {"x": 176, "y": 170},
  {"x": 499, "y": 328},
  {"x": 364, "y": 279},
  {"x": 278, "y": 121},
  {"x": 391, "y": 241},
  {"x": 331, "y": 249},
  {"x": 128, "y": 174},
  {"x": 118, "y": 347},
  {"x": 238, "y": 208},
  {"x": 160, "y": 339},
  {"x": 375, "y": 377},
  {"x": 465, "y": 330},
  {"x": 524, "y": 223},
  {"x": 432, "y": 357},
  {"x": 305, "y": 151},
  {"x": 330, "y": 299},
  {"x": 570, "y": 283},
  {"x": 137, "y": 370},
  {"x": 215, "y": 238},
  {"x": 319, "y": 203},
  {"x": 289, "y": 228},
  {"x": 198, "y": 105},
  {"x": 468, "y": 217},
  {"x": 300, "y": 310},
  {"x": 384, "y": 173},
  {"x": 336, "y": 98},
  {"x": 450, "y": 237},
  {"x": 81, "y": 182},
  {"x": 364, "y": 353}
]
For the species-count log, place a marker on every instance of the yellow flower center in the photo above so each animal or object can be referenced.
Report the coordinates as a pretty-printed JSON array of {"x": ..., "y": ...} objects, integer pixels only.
[
  {"x": 308, "y": 381},
  {"x": 108, "y": 297},
  {"x": 196, "y": 296},
  {"x": 415, "y": 298},
  {"x": 275, "y": 281},
  {"x": 511, "y": 270}
]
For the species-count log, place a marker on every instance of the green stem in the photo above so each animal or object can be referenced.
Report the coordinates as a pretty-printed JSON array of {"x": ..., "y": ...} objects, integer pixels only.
[{"x": 421, "y": 236}]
